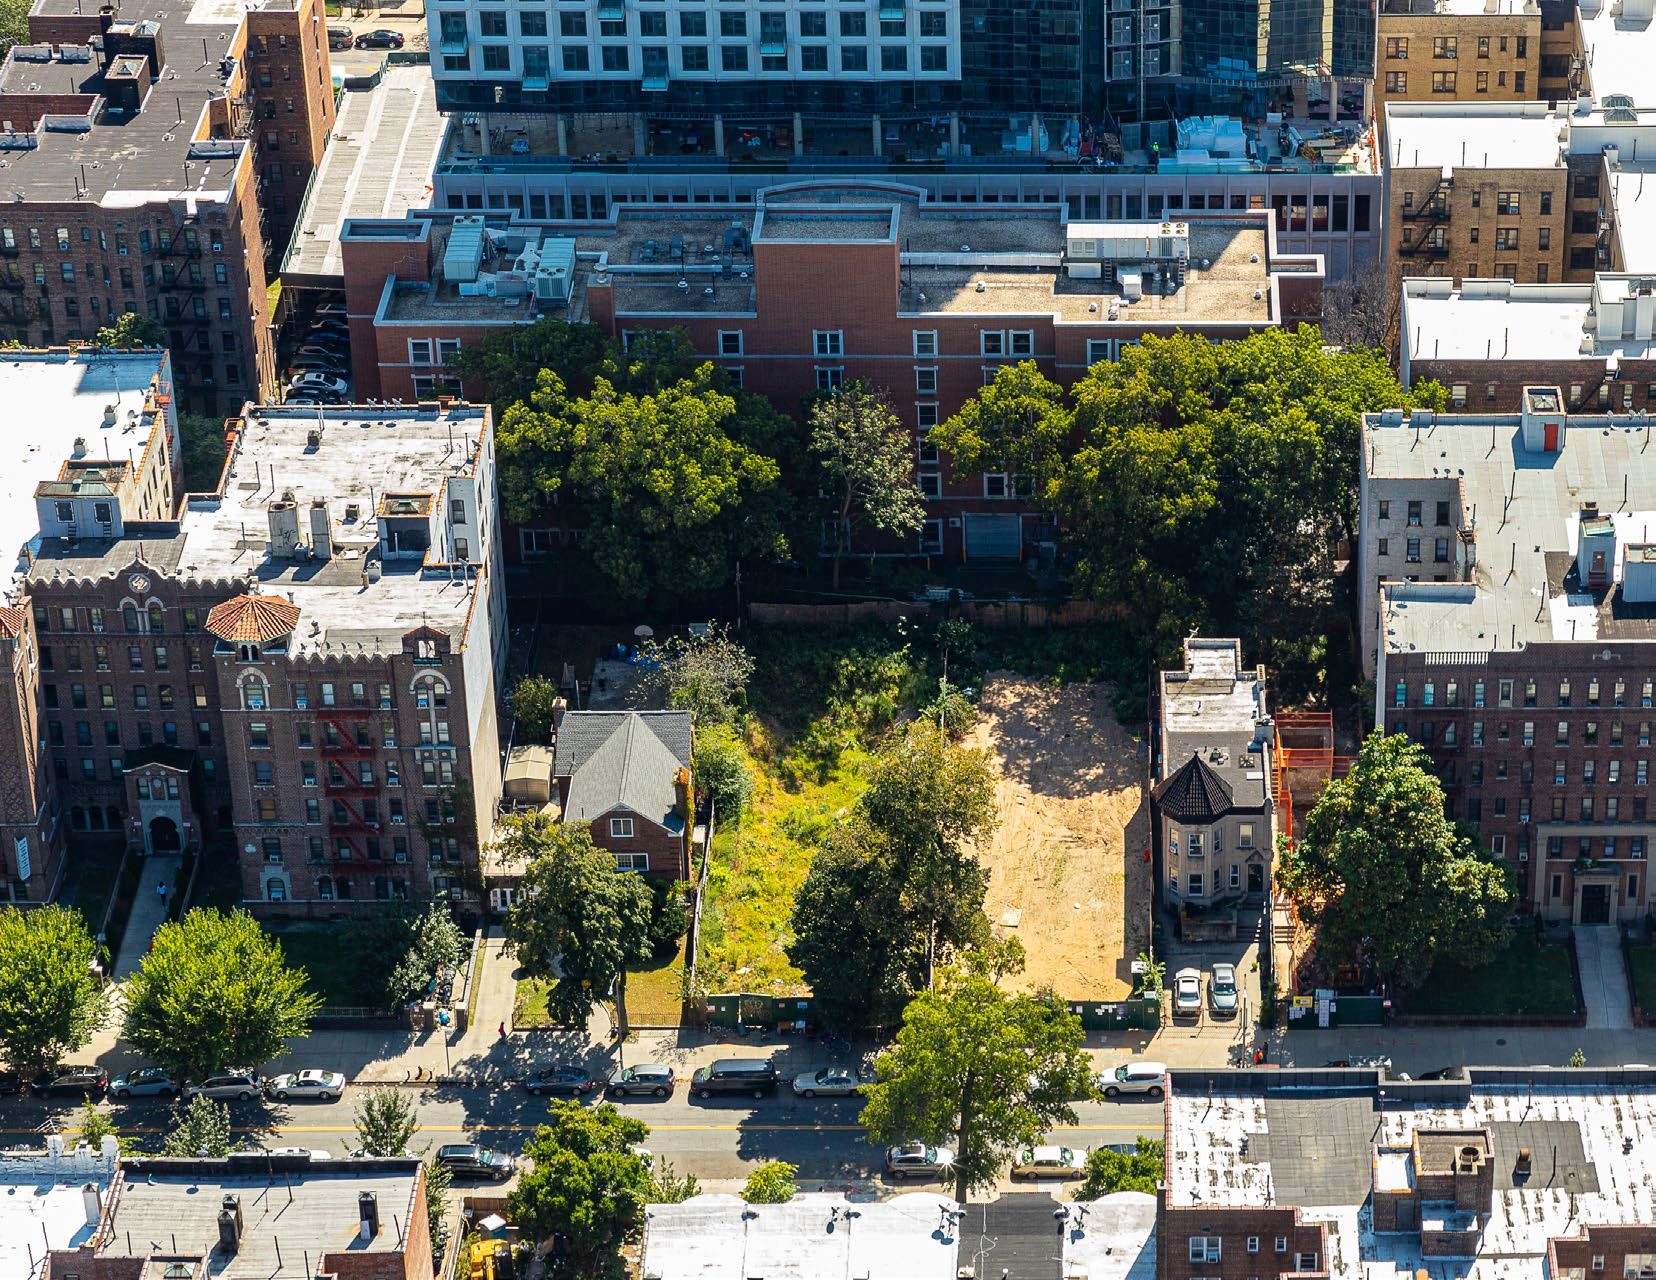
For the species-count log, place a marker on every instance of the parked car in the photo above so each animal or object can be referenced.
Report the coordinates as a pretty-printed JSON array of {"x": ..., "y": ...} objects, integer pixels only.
[
  {"x": 146, "y": 1082},
  {"x": 1049, "y": 1162},
  {"x": 918, "y": 1160},
  {"x": 326, "y": 1086},
  {"x": 565, "y": 1078},
  {"x": 1222, "y": 990},
  {"x": 466, "y": 1160},
  {"x": 313, "y": 381},
  {"x": 241, "y": 1085},
  {"x": 830, "y": 1082},
  {"x": 340, "y": 38},
  {"x": 332, "y": 356},
  {"x": 756, "y": 1076},
  {"x": 1187, "y": 993},
  {"x": 380, "y": 39},
  {"x": 327, "y": 309},
  {"x": 1451, "y": 1073},
  {"x": 329, "y": 336},
  {"x": 73, "y": 1080},
  {"x": 653, "y": 1078},
  {"x": 1148, "y": 1078},
  {"x": 329, "y": 363}
]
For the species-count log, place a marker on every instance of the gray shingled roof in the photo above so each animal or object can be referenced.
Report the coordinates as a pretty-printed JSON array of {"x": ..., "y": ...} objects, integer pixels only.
[
  {"x": 623, "y": 760},
  {"x": 1194, "y": 792}
]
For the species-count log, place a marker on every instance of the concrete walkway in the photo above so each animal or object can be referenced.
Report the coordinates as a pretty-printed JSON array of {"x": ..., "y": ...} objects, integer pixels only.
[
  {"x": 1603, "y": 977},
  {"x": 149, "y": 912}
]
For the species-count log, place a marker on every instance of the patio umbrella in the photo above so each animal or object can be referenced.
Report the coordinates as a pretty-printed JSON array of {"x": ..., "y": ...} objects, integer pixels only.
[{"x": 644, "y": 632}]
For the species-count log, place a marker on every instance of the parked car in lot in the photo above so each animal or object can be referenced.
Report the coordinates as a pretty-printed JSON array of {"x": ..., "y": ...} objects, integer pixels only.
[
  {"x": 1187, "y": 993},
  {"x": 331, "y": 357},
  {"x": 380, "y": 39},
  {"x": 466, "y": 1160},
  {"x": 830, "y": 1082},
  {"x": 330, "y": 365},
  {"x": 72, "y": 1080},
  {"x": 653, "y": 1078},
  {"x": 565, "y": 1078},
  {"x": 324, "y": 1086},
  {"x": 340, "y": 38},
  {"x": 312, "y": 381},
  {"x": 1222, "y": 990},
  {"x": 241, "y": 1085},
  {"x": 146, "y": 1082},
  {"x": 918, "y": 1160},
  {"x": 330, "y": 337},
  {"x": 1147, "y": 1078},
  {"x": 1049, "y": 1162}
]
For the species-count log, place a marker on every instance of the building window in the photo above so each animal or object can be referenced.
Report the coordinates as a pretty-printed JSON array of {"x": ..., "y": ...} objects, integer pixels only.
[
  {"x": 830, "y": 378},
  {"x": 621, "y": 828},
  {"x": 632, "y": 862},
  {"x": 1204, "y": 1248},
  {"x": 925, "y": 382},
  {"x": 925, "y": 344},
  {"x": 1443, "y": 82},
  {"x": 826, "y": 343}
]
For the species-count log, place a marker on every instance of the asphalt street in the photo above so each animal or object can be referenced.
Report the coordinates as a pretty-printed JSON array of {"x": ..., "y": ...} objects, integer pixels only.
[{"x": 718, "y": 1140}]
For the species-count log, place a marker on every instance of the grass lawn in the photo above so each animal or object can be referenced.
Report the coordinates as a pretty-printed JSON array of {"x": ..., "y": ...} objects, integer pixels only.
[
  {"x": 1641, "y": 969},
  {"x": 1529, "y": 978},
  {"x": 335, "y": 973},
  {"x": 654, "y": 996},
  {"x": 93, "y": 883}
]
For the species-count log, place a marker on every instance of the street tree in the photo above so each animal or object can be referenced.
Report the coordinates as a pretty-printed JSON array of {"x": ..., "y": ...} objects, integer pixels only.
[
  {"x": 1386, "y": 880},
  {"x": 669, "y": 1186},
  {"x": 94, "y": 1125},
  {"x": 215, "y": 991},
  {"x": 586, "y": 1184},
  {"x": 386, "y": 1121},
  {"x": 431, "y": 945},
  {"x": 201, "y": 1127},
  {"x": 50, "y": 999},
  {"x": 1018, "y": 423},
  {"x": 438, "y": 1179},
  {"x": 578, "y": 922},
  {"x": 771, "y": 1183},
  {"x": 978, "y": 1070},
  {"x": 507, "y": 365},
  {"x": 705, "y": 674},
  {"x": 533, "y": 702},
  {"x": 1111, "y": 1171},
  {"x": 131, "y": 330},
  {"x": 866, "y": 459}
]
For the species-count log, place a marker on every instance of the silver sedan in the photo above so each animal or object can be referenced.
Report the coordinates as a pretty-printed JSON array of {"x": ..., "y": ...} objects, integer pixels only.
[{"x": 830, "y": 1082}]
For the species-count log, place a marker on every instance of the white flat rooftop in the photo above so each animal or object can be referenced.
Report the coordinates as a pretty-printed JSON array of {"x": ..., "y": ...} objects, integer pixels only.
[
  {"x": 1511, "y": 600},
  {"x": 1633, "y": 191},
  {"x": 1619, "y": 51},
  {"x": 1113, "y": 1238},
  {"x": 1496, "y": 320},
  {"x": 42, "y": 1206},
  {"x": 378, "y": 165},
  {"x": 1451, "y": 136},
  {"x": 51, "y": 399}
]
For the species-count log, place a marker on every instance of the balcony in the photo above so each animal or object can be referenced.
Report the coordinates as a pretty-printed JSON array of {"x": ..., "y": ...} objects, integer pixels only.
[{"x": 347, "y": 711}]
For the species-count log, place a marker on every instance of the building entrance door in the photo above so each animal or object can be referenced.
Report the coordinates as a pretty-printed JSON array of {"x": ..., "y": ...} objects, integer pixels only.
[
  {"x": 163, "y": 835},
  {"x": 1256, "y": 878},
  {"x": 1595, "y": 904}
]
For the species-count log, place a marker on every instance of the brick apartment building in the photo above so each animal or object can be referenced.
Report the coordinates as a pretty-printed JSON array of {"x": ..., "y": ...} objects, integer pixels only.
[
  {"x": 1305, "y": 1172},
  {"x": 155, "y": 164},
  {"x": 1508, "y": 613},
  {"x": 1458, "y": 51},
  {"x": 923, "y": 301},
  {"x": 1488, "y": 339},
  {"x": 300, "y": 666}
]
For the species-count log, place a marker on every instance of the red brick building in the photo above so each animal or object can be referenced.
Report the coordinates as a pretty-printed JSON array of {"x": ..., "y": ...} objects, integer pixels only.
[
  {"x": 820, "y": 284},
  {"x": 626, "y": 774}
]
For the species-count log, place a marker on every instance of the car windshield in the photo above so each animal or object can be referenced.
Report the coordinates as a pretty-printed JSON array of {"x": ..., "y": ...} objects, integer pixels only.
[
  {"x": 1224, "y": 986},
  {"x": 1121, "y": 1072},
  {"x": 490, "y": 1158}
]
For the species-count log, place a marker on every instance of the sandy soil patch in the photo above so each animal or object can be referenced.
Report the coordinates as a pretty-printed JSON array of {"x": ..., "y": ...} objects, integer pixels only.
[{"x": 1067, "y": 874}]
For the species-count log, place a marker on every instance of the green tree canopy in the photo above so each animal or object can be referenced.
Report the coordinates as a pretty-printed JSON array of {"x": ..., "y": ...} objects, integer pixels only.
[
  {"x": 1386, "y": 879},
  {"x": 866, "y": 458},
  {"x": 706, "y": 674},
  {"x": 50, "y": 1002},
  {"x": 202, "y": 451},
  {"x": 721, "y": 772},
  {"x": 771, "y": 1183},
  {"x": 1111, "y": 1171},
  {"x": 578, "y": 922},
  {"x": 587, "y": 1184},
  {"x": 386, "y": 1121},
  {"x": 978, "y": 1071},
  {"x": 201, "y": 1127},
  {"x": 1018, "y": 423},
  {"x": 532, "y": 701},
  {"x": 670, "y": 485},
  {"x": 132, "y": 330},
  {"x": 214, "y": 991}
]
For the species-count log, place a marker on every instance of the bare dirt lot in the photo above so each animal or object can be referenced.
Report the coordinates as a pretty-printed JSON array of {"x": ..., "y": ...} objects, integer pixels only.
[{"x": 1067, "y": 874}]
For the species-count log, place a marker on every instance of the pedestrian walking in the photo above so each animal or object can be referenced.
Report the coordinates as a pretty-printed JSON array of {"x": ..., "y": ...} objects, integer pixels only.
[
  {"x": 161, "y": 890},
  {"x": 502, "y": 1030}
]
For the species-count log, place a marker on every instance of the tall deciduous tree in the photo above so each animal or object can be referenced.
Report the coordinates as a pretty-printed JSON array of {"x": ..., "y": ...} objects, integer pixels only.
[
  {"x": 215, "y": 991},
  {"x": 979, "y": 1071},
  {"x": 1386, "y": 880},
  {"x": 50, "y": 1000},
  {"x": 578, "y": 922},
  {"x": 386, "y": 1121},
  {"x": 130, "y": 331},
  {"x": 1111, "y": 1171},
  {"x": 867, "y": 464},
  {"x": 706, "y": 674},
  {"x": 201, "y": 1128},
  {"x": 586, "y": 1184},
  {"x": 1018, "y": 423},
  {"x": 533, "y": 699},
  {"x": 507, "y": 365}
]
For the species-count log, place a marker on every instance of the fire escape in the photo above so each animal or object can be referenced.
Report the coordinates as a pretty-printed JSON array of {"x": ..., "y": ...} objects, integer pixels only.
[
  {"x": 353, "y": 794},
  {"x": 1423, "y": 225}
]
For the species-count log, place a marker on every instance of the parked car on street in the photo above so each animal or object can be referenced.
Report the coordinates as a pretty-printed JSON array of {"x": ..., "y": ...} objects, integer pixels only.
[
  {"x": 146, "y": 1082},
  {"x": 241, "y": 1085},
  {"x": 1049, "y": 1162},
  {"x": 830, "y": 1082},
  {"x": 1187, "y": 993},
  {"x": 340, "y": 38},
  {"x": 466, "y": 1160},
  {"x": 381, "y": 39},
  {"x": 653, "y": 1078},
  {"x": 72, "y": 1080},
  {"x": 1222, "y": 990},
  {"x": 325, "y": 1086},
  {"x": 918, "y": 1160},
  {"x": 1148, "y": 1078},
  {"x": 565, "y": 1078}
]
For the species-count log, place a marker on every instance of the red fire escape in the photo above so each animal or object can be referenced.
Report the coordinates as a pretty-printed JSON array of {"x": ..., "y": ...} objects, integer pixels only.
[{"x": 353, "y": 808}]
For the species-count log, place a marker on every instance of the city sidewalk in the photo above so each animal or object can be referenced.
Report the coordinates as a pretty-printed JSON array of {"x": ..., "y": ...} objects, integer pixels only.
[{"x": 149, "y": 912}]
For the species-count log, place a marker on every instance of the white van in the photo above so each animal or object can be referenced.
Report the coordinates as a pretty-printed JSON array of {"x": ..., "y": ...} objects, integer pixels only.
[{"x": 1148, "y": 1078}]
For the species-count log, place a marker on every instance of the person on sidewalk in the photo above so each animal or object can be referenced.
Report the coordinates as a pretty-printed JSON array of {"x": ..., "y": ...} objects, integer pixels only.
[
  {"x": 161, "y": 890},
  {"x": 502, "y": 1030}
]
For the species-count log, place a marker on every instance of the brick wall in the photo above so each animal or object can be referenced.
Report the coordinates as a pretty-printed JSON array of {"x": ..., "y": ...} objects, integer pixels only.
[{"x": 1236, "y": 1228}]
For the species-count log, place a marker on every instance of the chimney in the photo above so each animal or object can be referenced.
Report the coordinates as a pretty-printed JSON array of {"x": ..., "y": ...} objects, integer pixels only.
[
  {"x": 321, "y": 530},
  {"x": 681, "y": 792},
  {"x": 79, "y": 450},
  {"x": 284, "y": 528},
  {"x": 559, "y": 706},
  {"x": 92, "y": 1203},
  {"x": 230, "y": 1224},
  {"x": 368, "y": 1214}
]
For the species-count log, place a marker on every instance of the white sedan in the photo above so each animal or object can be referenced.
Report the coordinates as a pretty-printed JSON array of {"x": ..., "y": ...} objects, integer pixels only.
[
  {"x": 830, "y": 1082},
  {"x": 324, "y": 1086},
  {"x": 1187, "y": 993}
]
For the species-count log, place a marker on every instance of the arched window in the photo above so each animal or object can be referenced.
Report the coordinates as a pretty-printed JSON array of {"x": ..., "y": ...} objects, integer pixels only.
[
  {"x": 129, "y": 616},
  {"x": 276, "y": 889},
  {"x": 325, "y": 888},
  {"x": 254, "y": 693},
  {"x": 430, "y": 692},
  {"x": 156, "y": 618}
]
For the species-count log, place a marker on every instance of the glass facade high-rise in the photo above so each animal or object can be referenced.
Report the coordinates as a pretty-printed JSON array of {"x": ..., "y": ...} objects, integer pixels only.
[{"x": 1267, "y": 42}]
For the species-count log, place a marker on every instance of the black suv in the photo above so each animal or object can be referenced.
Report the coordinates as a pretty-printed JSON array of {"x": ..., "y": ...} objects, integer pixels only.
[{"x": 755, "y": 1076}]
